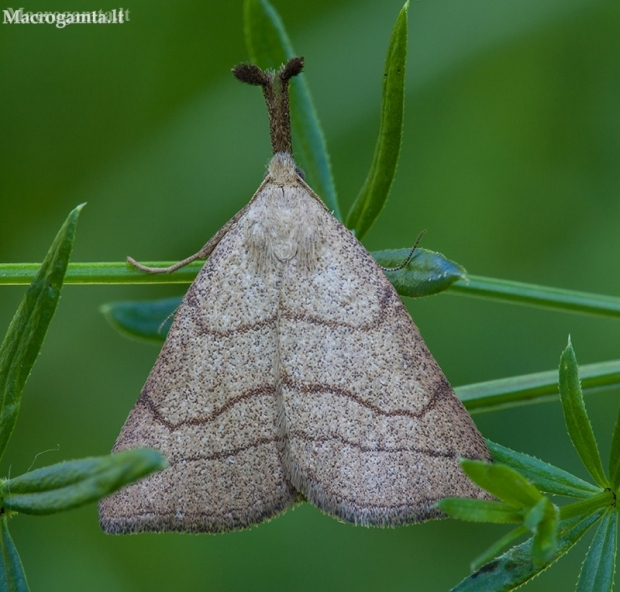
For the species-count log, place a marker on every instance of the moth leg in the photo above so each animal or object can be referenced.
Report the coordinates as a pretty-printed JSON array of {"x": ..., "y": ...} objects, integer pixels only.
[
  {"x": 202, "y": 254},
  {"x": 170, "y": 269}
]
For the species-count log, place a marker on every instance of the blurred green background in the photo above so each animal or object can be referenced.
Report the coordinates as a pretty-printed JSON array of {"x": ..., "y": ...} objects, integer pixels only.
[{"x": 510, "y": 161}]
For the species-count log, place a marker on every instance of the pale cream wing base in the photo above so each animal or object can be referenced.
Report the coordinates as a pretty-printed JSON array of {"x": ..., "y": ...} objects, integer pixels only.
[
  {"x": 209, "y": 407},
  {"x": 371, "y": 429}
]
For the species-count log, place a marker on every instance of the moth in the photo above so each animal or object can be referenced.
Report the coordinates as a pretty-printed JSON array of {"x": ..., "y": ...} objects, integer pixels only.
[{"x": 292, "y": 371}]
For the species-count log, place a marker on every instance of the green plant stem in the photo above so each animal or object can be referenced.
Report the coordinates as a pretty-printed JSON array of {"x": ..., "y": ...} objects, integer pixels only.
[
  {"x": 478, "y": 286},
  {"x": 534, "y": 295},
  {"x": 541, "y": 386},
  {"x": 102, "y": 273}
]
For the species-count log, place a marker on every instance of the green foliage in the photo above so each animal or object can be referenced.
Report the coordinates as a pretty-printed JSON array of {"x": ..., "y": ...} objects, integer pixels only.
[
  {"x": 515, "y": 567},
  {"x": 577, "y": 421},
  {"x": 543, "y": 475},
  {"x": 518, "y": 480},
  {"x": 598, "y": 569},
  {"x": 68, "y": 485},
  {"x": 532, "y": 388},
  {"x": 374, "y": 192},
  {"x": 65, "y": 485},
  {"x": 27, "y": 330},
  {"x": 12, "y": 576},
  {"x": 426, "y": 274},
  {"x": 148, "y": 320}
]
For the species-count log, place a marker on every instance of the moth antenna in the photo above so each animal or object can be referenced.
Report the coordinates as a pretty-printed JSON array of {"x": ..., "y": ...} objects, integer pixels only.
[
  {"x": 409, "y": 257},
  {"x": 251, "y": 74},
  {"x": 284, "y": 142},
  {"x": 277, "y": 100}
]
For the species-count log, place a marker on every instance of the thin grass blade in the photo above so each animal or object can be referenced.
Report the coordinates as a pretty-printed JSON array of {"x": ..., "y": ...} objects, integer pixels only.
[
  {"x": 502, "y": 482},
  {"x": 614, "y": 457},
  {"x": 534, "y": 388},
  {"x": 374, "y": 192},
  {"x": 577, "y": 420},
  {"x": 544, "y": 476},
  {"x": 474, "y": 510},
  {"x": 542, "y": 296},
  {"x": 599, "y": 567},
  {"x": 12, "y": 576},
  {"x": 27, "y": 330}
]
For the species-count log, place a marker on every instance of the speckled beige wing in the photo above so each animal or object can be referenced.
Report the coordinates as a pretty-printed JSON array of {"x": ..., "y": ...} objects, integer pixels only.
[
  {"x": 372, "y": 430},
  {"x": 209, "y": 407}
]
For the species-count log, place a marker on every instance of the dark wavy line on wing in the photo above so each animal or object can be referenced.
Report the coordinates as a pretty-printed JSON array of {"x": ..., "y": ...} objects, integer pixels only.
[
  {"x": 237, "y": 330},
  {"x": 442, "y": 390},
  {"x": 146, "y": 402},
  {"x": 384, "y": 308},
  {"x": 314, "y": 439},
  {"x": 335, "y": 437},
  {"x": 267, "y": 390},
  {"x": 224, "y": 453},
  {"x": 299, "y": 317}
]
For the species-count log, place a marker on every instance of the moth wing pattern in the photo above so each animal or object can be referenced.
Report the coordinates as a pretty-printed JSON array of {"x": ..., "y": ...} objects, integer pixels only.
[
  {"x": 372, "y": 429},
  {"x": 209, "y": 406}
]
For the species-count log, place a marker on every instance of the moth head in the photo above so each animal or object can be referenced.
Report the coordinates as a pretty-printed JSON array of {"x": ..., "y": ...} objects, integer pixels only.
[{"x": 282, "y": 169}]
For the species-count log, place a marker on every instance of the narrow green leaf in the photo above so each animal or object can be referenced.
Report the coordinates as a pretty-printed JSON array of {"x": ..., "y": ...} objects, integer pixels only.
[
  {"x": 515, "y": 567},
  {"x": 12, "y": 576},
  {"x": 543, "y": 519},
  {"x": 534, "y": 388},
  {"x": 498, "y": 546},
  {"x": 427, "y": 273},
  {"x": 614, "y": 457},
  {"x": 147, "y": 320},
  {"x": 71, "y": 484},
  {"x": 374, "y": 192},
  {"x": 577, "y": 420},
  {"x": 269, "y": 46},
  {"x": 27, "y": 330},
  {"x": 536, "y": 514},
  {"x": 544, "y": 476},
  {"x": 599, "y": 567},
  {"x": 543, "y": 296},
  {"x": 20, "y": 274},
  {"x": 502, "y": 482},
  {"x": 474, "y": 510},
  {"x": 590, "y": 505}
]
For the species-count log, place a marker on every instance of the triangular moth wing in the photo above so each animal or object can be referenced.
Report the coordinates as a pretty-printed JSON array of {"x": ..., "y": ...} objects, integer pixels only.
[
  {"x": 372, "y": 431},
  {"x": 209, "y": 407}
]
